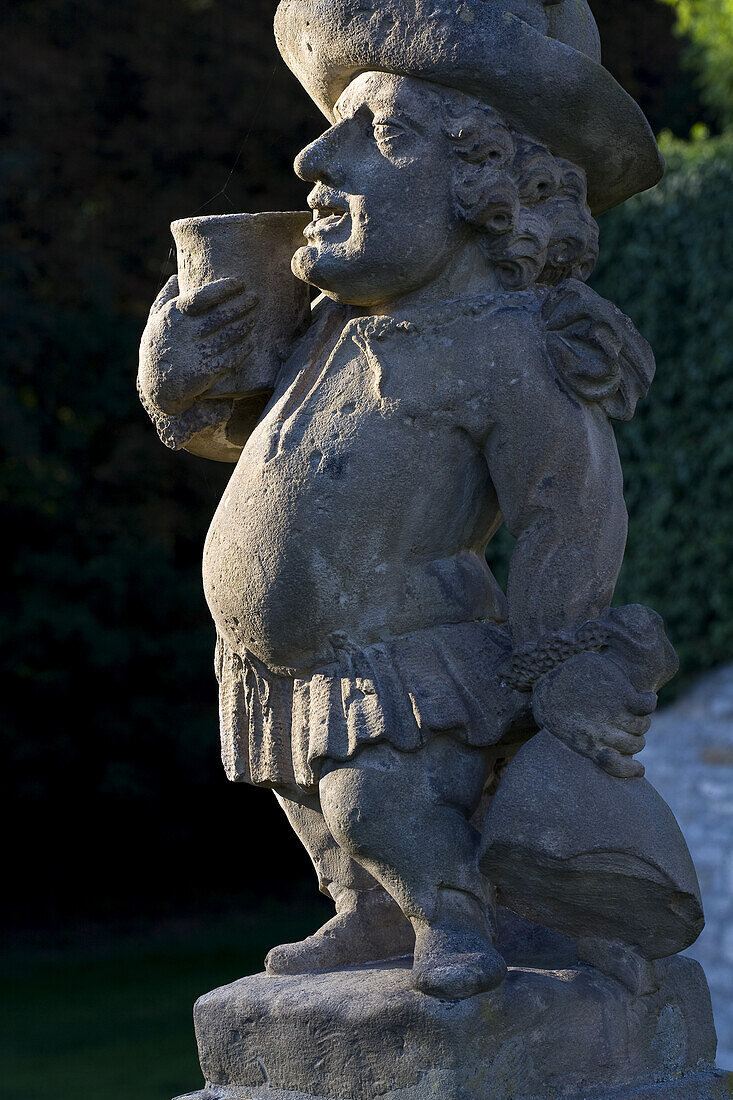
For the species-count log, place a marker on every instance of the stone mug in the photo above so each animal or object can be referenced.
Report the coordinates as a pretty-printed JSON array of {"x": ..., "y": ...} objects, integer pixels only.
[{"x": 258, "y": 248}]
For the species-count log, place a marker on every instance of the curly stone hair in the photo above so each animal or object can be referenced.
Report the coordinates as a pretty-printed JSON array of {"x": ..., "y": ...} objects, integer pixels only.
[{"x": 530, "y": 207}]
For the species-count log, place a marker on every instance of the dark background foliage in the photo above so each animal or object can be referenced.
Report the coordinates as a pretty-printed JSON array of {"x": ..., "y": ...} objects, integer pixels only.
[
  {"x": 667, "y": 264},
  {"x": 116, "y": 119}
]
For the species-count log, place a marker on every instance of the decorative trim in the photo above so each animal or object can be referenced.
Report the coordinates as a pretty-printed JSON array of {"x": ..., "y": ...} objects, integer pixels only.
[{"x": 530, "y": 662}]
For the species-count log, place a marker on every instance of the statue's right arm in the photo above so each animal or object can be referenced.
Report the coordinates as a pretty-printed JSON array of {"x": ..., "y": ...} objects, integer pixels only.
[
  {"x": 189, "y": 342},
  {"x": 554, "y": 464}
]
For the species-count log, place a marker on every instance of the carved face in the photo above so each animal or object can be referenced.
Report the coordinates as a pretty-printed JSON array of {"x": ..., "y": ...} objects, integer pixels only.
[{"x": 384, "y": 223}]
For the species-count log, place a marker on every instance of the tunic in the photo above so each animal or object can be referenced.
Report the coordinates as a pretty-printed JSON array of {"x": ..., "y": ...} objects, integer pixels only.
[{"x": 345, "y": 566}]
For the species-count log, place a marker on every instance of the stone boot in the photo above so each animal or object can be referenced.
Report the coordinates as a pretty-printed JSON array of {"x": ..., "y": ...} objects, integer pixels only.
[
  {"x": 368, "y": 927},
  {"x": 454, "y": 955}
]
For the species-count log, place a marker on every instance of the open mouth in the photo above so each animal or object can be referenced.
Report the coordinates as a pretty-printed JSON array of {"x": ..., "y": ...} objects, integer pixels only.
[
  {"x": 327, "y": 215},
  {"x": 323, "y": 213}
]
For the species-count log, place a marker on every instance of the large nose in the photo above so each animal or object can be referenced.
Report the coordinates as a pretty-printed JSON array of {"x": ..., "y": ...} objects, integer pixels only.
[{"x": 319, "y": 161}]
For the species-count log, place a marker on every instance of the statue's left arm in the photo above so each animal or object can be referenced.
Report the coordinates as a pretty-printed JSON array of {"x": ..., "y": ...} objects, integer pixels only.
[{"x": 553, "y": 459}]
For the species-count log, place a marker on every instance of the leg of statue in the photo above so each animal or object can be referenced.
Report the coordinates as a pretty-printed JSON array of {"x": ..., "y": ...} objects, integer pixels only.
[
  {"x": 368, "y": 926},
  {"x": 405, "y": 818}
]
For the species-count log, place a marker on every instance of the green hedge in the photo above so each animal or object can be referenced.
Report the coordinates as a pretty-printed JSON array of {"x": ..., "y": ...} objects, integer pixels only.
[{"x": 666, "y": 260}]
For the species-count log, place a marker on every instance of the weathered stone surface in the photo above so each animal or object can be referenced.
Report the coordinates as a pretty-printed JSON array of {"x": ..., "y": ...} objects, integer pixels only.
[
  {"x": 520, "y": 62},
  {"x": 622, "y": 872},
  {"x": 364, "y": 1034},
  {"x": 456, "y": 374},
  {"x": 255, "y": 249},
  {"x": 705, "y": 1086},
  {"x": 205, "y": 388}
]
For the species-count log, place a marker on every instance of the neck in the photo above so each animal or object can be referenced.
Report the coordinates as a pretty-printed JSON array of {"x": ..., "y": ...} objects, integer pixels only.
[{"x": 467, "y": 272}]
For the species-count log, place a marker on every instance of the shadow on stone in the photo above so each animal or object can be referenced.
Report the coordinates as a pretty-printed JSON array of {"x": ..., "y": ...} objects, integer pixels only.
[{"x": 363, "y": 1033}]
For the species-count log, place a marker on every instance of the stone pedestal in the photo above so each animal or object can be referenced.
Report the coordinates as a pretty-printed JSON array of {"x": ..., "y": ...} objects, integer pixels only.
[{"x": 363, "y": 1034}]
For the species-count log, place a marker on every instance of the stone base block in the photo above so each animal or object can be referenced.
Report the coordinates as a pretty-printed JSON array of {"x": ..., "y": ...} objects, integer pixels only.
[
  {"x": 717, "y": 1086},
  {"x": 364, "y": 1034}
]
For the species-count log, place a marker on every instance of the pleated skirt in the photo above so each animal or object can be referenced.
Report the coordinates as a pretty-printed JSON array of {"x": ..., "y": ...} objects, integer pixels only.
[{"x": 276, "y": 731}]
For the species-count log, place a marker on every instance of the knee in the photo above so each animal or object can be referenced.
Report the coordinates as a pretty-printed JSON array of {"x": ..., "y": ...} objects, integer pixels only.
[
  {"x": 364, "y": 800},
  {"x": 349, "y": 799},
  {"x": 369, "y": 801}
]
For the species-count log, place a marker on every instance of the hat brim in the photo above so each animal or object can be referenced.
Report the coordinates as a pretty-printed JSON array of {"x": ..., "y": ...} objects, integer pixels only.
[{"x": 542, "y": 87}]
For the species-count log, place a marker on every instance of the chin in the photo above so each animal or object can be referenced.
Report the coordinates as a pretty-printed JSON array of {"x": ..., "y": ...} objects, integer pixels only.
[
  {"x": 330, "y": 273},
  {"x": 304, "y": 264},
  {"x": 316, "y": 266}
]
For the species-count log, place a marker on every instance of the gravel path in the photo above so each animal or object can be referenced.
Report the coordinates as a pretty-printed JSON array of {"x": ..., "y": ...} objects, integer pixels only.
[{"x": 689, "y": 759}]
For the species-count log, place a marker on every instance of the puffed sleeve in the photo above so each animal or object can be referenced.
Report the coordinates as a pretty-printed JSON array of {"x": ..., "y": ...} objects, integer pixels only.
[
  {"x": 597, "y": 352},
  {"x": 554, "y": 465}
]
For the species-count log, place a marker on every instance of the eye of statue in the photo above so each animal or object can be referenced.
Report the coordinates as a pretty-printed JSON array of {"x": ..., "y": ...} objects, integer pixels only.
[{"x": 388, "y": 128}]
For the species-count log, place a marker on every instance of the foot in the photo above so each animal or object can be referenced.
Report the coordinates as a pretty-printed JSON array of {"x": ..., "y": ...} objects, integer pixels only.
[
  {"x": 368, "y": 927},
  {"x": 618, "y": 960},
  {"x": 452, "y": 964}
]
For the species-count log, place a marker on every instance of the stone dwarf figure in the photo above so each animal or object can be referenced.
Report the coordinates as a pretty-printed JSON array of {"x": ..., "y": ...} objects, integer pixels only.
[{"x": 456, "y": 374}]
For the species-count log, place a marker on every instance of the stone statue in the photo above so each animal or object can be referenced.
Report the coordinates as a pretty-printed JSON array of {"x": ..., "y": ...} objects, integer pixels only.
[{"x": 459, "y": 762}]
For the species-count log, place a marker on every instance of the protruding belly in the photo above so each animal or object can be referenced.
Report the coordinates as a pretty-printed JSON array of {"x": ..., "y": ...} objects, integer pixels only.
[{"x": 304, "y": 546}]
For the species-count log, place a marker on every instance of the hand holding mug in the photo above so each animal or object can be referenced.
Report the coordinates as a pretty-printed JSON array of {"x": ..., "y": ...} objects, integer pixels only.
[
  {"x": 222, "y": 327},
  {"x": 193, "y": 340}
]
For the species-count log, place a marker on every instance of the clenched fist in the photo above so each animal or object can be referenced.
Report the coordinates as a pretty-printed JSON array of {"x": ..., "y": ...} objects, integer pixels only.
[{"x": 590, "y": 704}]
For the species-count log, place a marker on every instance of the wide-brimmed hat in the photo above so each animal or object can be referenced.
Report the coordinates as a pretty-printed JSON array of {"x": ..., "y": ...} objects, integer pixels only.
[{"x": 536, "y": 61}]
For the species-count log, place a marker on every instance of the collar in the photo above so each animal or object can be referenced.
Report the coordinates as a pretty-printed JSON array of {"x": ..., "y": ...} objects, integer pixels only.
[{"x": 424, "y": 320}]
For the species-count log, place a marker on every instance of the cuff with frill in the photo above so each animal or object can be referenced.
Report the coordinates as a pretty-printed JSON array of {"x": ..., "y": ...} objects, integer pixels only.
[
  {"x": 633, "y": 635},
  {"x": 529, "y": 663}
]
